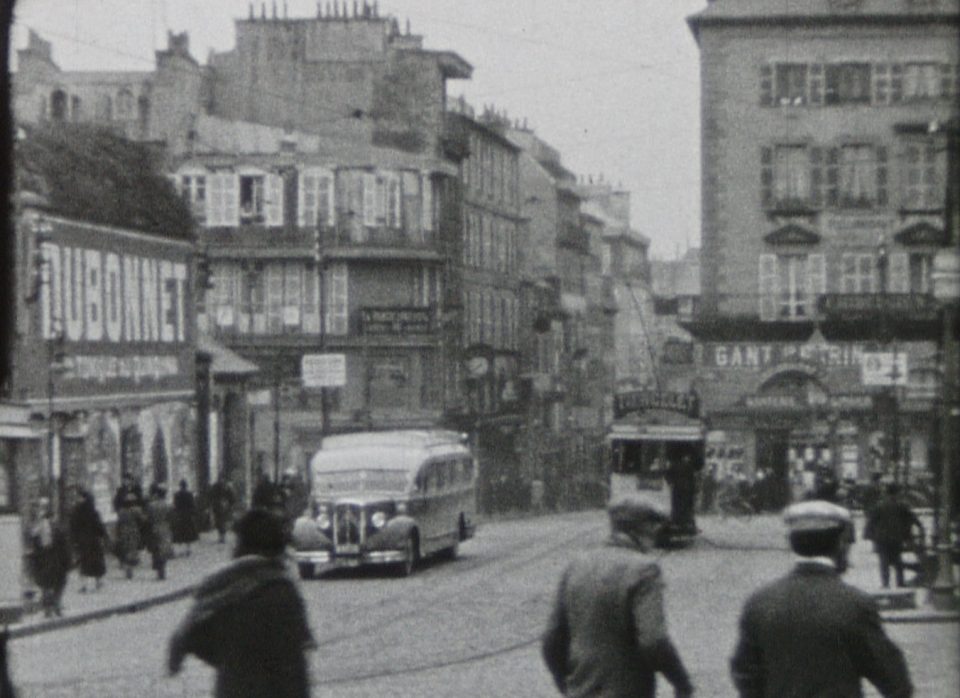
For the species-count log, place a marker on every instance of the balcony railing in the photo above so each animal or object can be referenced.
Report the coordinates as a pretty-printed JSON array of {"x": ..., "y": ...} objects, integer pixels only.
[{"x": 351, "y": 233}]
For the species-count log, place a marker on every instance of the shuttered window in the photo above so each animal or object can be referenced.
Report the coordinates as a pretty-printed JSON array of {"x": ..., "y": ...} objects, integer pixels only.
[
  {"x": 315, "y": 198},
  {"x": 336, "y": 309}
]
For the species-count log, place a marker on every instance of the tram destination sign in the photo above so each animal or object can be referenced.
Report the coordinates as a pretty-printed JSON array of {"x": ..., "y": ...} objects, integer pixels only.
[{"x": 641, "y": 400}]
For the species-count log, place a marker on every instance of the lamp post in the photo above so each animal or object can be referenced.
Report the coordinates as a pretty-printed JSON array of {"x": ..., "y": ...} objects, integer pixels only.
[
  {"x": 891, "y": 406},
  {"x": 946, "y": 289}
]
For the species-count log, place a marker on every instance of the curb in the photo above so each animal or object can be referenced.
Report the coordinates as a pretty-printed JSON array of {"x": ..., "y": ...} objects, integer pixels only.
[{"x": 99, "y": 614}]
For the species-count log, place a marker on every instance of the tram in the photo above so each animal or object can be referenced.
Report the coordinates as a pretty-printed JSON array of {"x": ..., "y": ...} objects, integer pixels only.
[{"x": 656, "y": 452}]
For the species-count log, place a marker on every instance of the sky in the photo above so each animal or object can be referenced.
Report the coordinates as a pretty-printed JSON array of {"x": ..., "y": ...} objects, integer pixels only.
[{"x": 612, "y": 84}]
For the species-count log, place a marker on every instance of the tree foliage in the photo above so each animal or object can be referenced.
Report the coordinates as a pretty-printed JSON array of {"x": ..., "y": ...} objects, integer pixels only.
[{"x": 95, "y": 175}]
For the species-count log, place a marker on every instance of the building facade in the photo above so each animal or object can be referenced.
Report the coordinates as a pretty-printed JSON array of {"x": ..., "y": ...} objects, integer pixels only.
[{"x": 823, "y": 203}]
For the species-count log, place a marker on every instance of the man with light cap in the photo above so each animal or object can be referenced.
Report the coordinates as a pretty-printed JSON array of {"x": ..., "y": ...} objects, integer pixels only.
[
  {"x": 607, "y": 633},
  {"x": 809, "y": 633}
]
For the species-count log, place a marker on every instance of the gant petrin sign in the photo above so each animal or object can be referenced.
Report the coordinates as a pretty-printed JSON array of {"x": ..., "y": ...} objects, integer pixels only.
[{"x": 119, "y": 302}]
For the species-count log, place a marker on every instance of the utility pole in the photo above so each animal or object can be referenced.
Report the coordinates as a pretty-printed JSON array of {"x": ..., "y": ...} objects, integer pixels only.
[{"x": 946, "y": 288}]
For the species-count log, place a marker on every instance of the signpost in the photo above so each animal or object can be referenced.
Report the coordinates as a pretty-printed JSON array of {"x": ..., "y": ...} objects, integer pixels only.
[
  {"x": 323, "y": 371},
  {"x": 888, "y": 368}
]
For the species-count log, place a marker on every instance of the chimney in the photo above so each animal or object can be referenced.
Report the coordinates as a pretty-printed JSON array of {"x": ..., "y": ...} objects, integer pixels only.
[
  {"x": 376, "y": 8},
  {"x": 285, "y": 9},
  {"x": 408, "y": 26},
  {"x": 263, "y": 10},
  {"x": 354, "y": 9},
  {"x": 251, "y": 11},
  {"x": 274, "y": 9}
]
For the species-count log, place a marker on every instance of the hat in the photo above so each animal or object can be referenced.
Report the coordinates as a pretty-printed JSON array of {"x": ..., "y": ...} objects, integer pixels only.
[
  {"x": 815, "y": 515},
  {"x": 632, "y": 511}
]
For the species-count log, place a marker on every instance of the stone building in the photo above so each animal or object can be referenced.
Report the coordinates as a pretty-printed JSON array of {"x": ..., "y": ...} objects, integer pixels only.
[{"x": 823, "y": 203}]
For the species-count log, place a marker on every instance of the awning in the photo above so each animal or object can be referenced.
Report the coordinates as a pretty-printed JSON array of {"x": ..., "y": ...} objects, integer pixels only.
[
  {"x": 223, "y": 361},
  {"x": 15, "y": 422},
  {"x": 654, "y": 432}
]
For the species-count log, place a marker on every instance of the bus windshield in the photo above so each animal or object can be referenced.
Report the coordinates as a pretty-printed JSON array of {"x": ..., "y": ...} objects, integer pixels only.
[{"x": 365, "y": 480}]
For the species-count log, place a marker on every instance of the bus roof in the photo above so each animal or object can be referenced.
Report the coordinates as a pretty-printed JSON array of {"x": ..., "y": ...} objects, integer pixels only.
[{"x": 390, "y": 450}]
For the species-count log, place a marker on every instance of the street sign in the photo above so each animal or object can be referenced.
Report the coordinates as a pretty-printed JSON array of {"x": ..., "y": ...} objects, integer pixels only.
[
  {"x": 884, "y": 368},
  {"x": 323, "y": 370}
]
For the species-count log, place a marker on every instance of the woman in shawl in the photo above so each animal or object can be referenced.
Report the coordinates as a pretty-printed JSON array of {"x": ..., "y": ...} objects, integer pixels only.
[
  {"x": 130, "y": 523},
  {"x": 51, "y": 558},
  {"x": 89, "y": 535},
  {"x": 184, "y": 521}
]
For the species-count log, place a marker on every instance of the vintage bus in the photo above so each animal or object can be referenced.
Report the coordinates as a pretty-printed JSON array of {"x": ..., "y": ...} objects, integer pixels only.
[{"x": 386, "y": 498}]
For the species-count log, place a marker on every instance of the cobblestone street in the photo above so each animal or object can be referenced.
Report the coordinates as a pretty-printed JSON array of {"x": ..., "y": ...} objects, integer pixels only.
[{"x": 469, "y": 627}]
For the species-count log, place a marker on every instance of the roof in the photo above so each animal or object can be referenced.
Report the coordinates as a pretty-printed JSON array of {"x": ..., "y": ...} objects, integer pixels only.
[
  {"x": 400, "y": 450},
  {"x": 720, "y": 12},
  {"x": 223, "y": 361}
]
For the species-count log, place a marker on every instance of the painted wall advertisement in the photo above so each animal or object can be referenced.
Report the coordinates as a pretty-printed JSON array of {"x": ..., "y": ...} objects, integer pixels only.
[{"x": 114, "y": 308}]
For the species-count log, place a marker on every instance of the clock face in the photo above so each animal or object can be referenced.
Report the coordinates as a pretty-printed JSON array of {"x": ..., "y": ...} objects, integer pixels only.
[{"x": 477, "y": 366}]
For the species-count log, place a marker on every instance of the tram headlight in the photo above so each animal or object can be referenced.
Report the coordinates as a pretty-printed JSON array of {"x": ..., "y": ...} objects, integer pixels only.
[{"x": 378, "y": 520}]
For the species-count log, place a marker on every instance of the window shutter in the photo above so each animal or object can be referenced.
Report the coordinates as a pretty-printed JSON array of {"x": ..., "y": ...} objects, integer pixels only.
[
  {"x": 815, "y": 85},
  {"x": 766, "y": 177},
  {"x": 881, "y": 83},
  {"x": 766, "y": 85},
  {"x": 215, "y": 201},
  {"x": 882, "y": 195},
  {"x": 896, "y": 83},
  {"x": 273, "y": 206},
  {"x": 833, "y": 177},
  {"x": 336, "y": 310},
  {"x": 946, "y": 80},
  {"x": 306, "y": 199},
  {"x": 767, "y": 284},
  {"x": 326, "y": 206},
  {"x": 898, "y": 278},
  {"x": 369, "y": 183},
  {"x": 427, "y": 209},
  {"x": 231, "y": 200},
  {"x": 817, "y": 274},
  {"x": 816, "y": 177},
  {"x": 381, "y": 198}
]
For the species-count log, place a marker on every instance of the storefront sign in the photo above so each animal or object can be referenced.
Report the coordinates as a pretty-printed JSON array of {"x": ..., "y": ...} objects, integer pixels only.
[
  {"x": 798, "y": 403},
  {"x": 867, "y": 306},
  {"x": 115, "y": 304},
  {"x": 763, "y": 355},
  {"x": 640, "y": 400},
  {"x": 396, "y": 321}
]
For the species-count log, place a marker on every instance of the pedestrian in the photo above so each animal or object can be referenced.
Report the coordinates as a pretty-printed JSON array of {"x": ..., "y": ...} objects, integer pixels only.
[
  {"x": 184, "y": 517},
  {"x": 248, "y": 620},
  {"x": 128, "y": 486},
  {"x": 50, "y": 553},
  {"x": 90, "y": 538},
  {"x": 681, "y": 475},
  {"x": 890, "y": 526},
  {"x": 872, "y": 494},
  {"x": 809, "y": 633},
  {"x": 607, "y": 633},
  {"x": 159, "y": 537},
  {"x": 221, "y": 505},
  {"x": 131, "y": 522}
]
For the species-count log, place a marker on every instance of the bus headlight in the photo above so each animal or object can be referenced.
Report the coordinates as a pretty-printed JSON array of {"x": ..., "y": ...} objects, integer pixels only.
[
  {"x": 378, "y": 520},
  {"x": 401, "y": 507},
  {"x": 323, "y": 519}
]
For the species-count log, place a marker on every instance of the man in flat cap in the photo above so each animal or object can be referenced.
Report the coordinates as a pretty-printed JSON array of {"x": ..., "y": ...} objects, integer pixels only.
[
  {"x": 809, "y": 633},
  {"x": 607, "y": 633}
]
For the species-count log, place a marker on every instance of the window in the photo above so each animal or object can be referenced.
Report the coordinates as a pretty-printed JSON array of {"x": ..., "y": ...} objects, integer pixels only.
[
  {"x": 921, "y": 81},
  {"x": 791, "y": 84},
  {"x": 791, "y": 175},
  {"x": 252, "y": 199},
  {"x": 858, "y": 176},
  {"x": 124, "y": 104},
  {"x": 848, "y": 83},
  {"x": 790, "y": 284},
  {"x": 193, "y": 190},
  {"x": 859, "y": 273},
  {"x": 336, "y": 310},
  {"x": 923, "y": 176},
  {"x": 315, "y": 206}
]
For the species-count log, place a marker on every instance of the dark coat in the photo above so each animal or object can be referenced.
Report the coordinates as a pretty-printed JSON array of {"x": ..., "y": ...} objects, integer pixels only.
[
  {"x": 249, "y": 623},
  {"x": 184, "y": 521},
  {"x": 89, "y": 536},
  {"x": 607, "y": 634},
  {"x": 810, "y": 634},
  {"x": 159, "y": 536},
  {"x": 51, "y": 558},
  {"x": 130, "y": 524},
  {"x": 890, "y": 523}
]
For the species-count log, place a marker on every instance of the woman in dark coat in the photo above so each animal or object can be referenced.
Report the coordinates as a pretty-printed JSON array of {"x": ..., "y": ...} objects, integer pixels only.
[
  {"x": 158, "y": 526},
  {"x": 89, "y": 535},
  {"x": 130, "y": 523},
  {"x": 184, "y": 517}
]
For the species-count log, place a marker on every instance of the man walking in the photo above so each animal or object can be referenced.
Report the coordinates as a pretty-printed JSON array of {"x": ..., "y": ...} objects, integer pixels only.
[
  {"x": 809, "y": 633},
  {"x": 248, "y": 620},
  {"x": 607, "y": 634}
]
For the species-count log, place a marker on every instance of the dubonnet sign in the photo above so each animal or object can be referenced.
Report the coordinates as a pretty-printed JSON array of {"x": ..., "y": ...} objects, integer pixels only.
[{"x": 640, "y": 400}]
